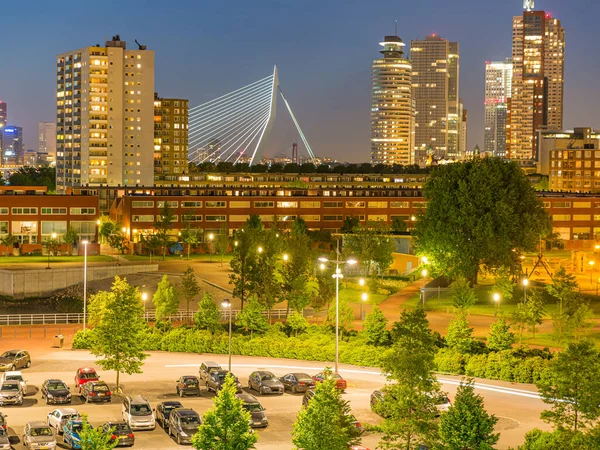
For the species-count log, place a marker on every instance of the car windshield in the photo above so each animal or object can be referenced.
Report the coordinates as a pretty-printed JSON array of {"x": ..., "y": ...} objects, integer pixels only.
[
  {"x": 190, "y": 421},
  {"x": 190, "y": 382},
  {"x": 77, "y": 427},
  {"x": 87, "y": 376},
  {"x": 302, "y": 376},
  {"x": 14, "y": 378},
  {"x": 9, "y": 355},
  {"x": 10, "y": 387},
  {"x": 140, "y": 410},
  {"x": 56, "y": 386},
  {"x": 268, "y": 377},
  {"x": 70, "y": 416},
  {"x": 121, "y": 428},
  {"x": 171, "y": 407},
  {"x": 101, "y": 388},
  {"x": 42, "y": 431},
  {"x": 253, "y": 407}
]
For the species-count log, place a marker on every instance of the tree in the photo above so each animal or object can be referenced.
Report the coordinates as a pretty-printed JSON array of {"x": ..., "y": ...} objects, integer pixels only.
[
  {"x": 520, "y": 318},
  {"x": 264, "y": 285},
  {"x": 500, "y": 336},
  {"x": 350, "y": 224},
  {"x": 107, "y": 227},
  {"x": 71, "y": 236},
  {"x": 371, "y": 245},
  {"x": 398, "y": 225},
  {"x": 52, "y": 245},
  {"x": 251, "y": 318},
  {"x": 297, "y": 323},
  {"x": 459, "y": 334},
  {"x": 163, "y": 227},
  {"x": 504, "y": 285},
  {"x": 165, "y": 299},
  {"x": 189, "y": 288},
  {"x": 562, "y": 288},
  {"x": 537, "y": 439},
  {"x": 245, "y": 247},
  {"x": 535, "y": 309},
  {"x": 34, "y": 176},
  {"x": 325, "y": 291},
  {"x": 118, "y": 328},
  {"x": 222, "y": 242},
  {"x": 326, "y": 422},
  {"x": 467, "y": 425},
  {"x": 152, "y": 243},
  {"x": 91, "y": 438},
  {"x": 118, "y": 240},
  {"x": 295, "y": 267},
  {"x": 375, "y": 327},
  {"x": 463, "y": 295},
  {"x": 8, "y": 240},
  {"x": 481, "y": 212},
  {"x": 226, "y": 425},
  {"x": 571, "y": 385},
  {"x": 345, "y": 316},
  {"x": 208, "y": 314},
  {"x": 190, "y": 235}
]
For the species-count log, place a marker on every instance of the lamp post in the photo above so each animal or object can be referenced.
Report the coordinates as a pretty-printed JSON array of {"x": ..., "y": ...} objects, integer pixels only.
[
  {"x": 364, "y": 297},
  {"x": 227, "y": 304},
  {"x": 51, "y": 245},
  {"x": 337, "y": 275},
  {"x": 591, "y": 263},
  {"x": 144, "y": 298},
  {"x": 85, "y": 244},
  {"x": 525, "y": 284},
  {"x": 210, "y": 239},
  {"x": 497, "y": 300}
]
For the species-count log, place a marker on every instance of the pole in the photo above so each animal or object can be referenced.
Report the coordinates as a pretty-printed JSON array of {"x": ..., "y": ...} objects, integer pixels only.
[
  {"x": 337, "y": 315},
  {"x": 230, "y": 313},
  {"x": 84, "y": 284}
]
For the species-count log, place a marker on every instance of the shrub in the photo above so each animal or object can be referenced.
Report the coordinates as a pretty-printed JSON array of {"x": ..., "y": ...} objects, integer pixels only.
[
  {"x": 450, "y": 361},
  {"x": 83, "y": 339},
  {"x": 476, "y": 366}
]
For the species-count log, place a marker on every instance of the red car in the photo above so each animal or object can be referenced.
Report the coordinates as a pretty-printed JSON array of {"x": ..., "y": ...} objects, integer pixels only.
[
  {"x": 340, "y": 383},
  {"x": 84, "y": 375}
]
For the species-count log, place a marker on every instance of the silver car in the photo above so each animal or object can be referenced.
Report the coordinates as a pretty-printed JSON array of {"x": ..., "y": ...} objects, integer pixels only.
[
  {"x": 38, "y": 435},
  {"x": 265, "y": 383},
  {"x": 58, "y": 418},
  {"x": 11, "y": 393}
]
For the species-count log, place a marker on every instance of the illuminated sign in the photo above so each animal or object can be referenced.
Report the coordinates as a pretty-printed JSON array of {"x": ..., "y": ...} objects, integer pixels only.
[{"x": 9, "y": 130}]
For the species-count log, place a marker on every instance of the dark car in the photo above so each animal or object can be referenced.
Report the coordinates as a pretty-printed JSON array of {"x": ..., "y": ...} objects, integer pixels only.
[
  {"x": 216, "y": 380},
  {"x": 188, "y": 385},
  {"x": 55, "y": 391},
  {"x": 376, "y": 401},
  {"x": 120, "y": 431},
  {"x": 163, "y": 411},
  {"x": 2, "y": 421},
  {"x": 265, "y": 383},
  {"x": 297, "y": 382},
  {"x": 183, "y": 424},
  {"x": 14, "y": 359},
  {"x": 340, "y": 383},
  {"x": 206, "y": 368},
  {"x": 96, "y": 391},
  {"x": 4, "y": 440},
  {"x": 258, "y": 417}
]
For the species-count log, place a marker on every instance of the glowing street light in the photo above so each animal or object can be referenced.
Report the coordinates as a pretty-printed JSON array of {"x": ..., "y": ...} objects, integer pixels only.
[
  {"x": 50, "y": 247},
  {"x": 227, "y": 305},
  {"x": 286, "y": 257},
  {"x": 591, "y": 263},
  {"x": 497, "y": 299},
  {"x": 85, "y": 244},
  {"x": 144, "y": 298},
  {"x": 260, "y": 249},
  {"x": 525, "y": 284},
  {"x": 361, "y": 281}
]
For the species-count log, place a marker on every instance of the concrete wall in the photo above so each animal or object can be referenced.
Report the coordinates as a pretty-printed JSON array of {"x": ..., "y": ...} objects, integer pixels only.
[{"x": 43, "y": 283}]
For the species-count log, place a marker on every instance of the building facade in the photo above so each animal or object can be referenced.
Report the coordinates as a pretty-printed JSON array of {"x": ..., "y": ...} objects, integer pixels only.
[
  {"x": 435, "y": 78},
  {"x": 47, "y": 141},
  {"x": 3, "y": 118},
  {"x": 170, "y": 138},
  {"x": 538, "y": 55},
  {"x": 105, "y": 116},
  {"x": 392, "y": 108},
  {"x": 13, "y": 150},
  {"x": 498, "y": 80}
]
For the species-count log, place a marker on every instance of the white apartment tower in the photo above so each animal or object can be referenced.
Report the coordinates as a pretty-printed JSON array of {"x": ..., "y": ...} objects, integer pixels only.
[
  {"x": 47, "y": 140},
  {"x": 498, "y": 79},
  {"x": 105, "y": 116}
]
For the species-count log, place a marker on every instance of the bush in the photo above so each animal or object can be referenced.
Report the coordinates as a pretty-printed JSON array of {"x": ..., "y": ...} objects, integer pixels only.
[
  {"x": 476, "y": 366},
  {"x": 449, "y": 361},
  {"x": 83, "y": 339}
]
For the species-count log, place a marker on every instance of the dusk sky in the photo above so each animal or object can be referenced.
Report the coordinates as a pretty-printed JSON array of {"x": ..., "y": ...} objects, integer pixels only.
[{"x": 323, "y": 49}]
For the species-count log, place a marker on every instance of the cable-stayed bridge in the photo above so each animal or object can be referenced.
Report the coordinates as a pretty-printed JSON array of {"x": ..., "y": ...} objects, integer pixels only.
[{"x": 234, "y": 127}]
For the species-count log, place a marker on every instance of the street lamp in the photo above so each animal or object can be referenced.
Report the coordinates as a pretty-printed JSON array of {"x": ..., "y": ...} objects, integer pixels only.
[
  {"x": 424, "y": 260},
  {"x": 337, "y": 275},
  {"x": 286, "y": 257},
  {"x": 50, "y": 246},
  {"x": 227, "y": 304},
  {"x": 364, "y": 297},
  {"x": 591, "y": 263},
  {"x": 210, "y": 239},
  {"x": 497, "y": 300},
  {"x": 144, "y": 298},
  {"x": 525, "y": 284},
  {"x": 85, "y": 244},
  {"x": 259, "y": 249}
]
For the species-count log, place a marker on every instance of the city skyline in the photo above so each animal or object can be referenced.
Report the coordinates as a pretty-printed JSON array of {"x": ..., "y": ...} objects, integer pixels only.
[{"x": 333, "y": 109}]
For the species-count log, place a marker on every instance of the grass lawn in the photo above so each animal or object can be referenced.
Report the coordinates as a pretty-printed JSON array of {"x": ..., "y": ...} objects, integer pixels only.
[
  {"x": 53, "y": 260},
  {"x": 193, "y": 257}
]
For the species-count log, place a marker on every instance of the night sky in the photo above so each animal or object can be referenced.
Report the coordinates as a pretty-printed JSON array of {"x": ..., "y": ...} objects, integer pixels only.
[{"x": 323, "y": 49}]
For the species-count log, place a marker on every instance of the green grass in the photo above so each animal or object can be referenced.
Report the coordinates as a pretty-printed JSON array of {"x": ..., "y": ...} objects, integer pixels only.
[
  {"x": 193, "y": 257},
  {"x": 53, "y": 260}
]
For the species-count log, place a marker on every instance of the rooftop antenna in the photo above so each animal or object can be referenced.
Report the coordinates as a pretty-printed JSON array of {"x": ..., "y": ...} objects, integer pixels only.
[{"x": 396, "y": 28}]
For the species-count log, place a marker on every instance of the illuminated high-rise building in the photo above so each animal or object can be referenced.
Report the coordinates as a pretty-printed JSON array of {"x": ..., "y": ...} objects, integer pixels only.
[
  {"x": 436, "y": 69},
  {"x": 105, "y": 116},
  {"x": 538, "y": 54},
  {"x": 392, "y": 108},
  {"x": 3, "y": 111},
  {"x": 13, "y": 152},
  {"x": 170, "y": 138},
  {"x": 47, "y": 141},
  {"x": 498, "y": 78}
]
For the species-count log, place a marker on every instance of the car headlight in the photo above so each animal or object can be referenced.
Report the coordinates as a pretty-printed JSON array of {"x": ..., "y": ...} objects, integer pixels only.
[
  {"x": 50, "y": 395},
  {"x": 266, "y": 388},
  {"x": 183, "y": 434}
]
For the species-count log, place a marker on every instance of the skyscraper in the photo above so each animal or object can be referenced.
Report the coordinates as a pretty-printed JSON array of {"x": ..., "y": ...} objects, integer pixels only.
[
  {"x": 392, "y": 108},
  {"x": 538, "y": 54},
  {"x": 436, "y": 69},
  {"x": 105, "y": 116},
  {"x": 13, "y": 152},
  {"x": 498, "y": 78},
  {"x": 47, "y": 140},
  {"x": 2, "y": 121},
  {"x": 170, "y": 138}
]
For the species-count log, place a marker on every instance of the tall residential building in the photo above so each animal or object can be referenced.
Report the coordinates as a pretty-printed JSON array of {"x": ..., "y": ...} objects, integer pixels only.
[
  {"x": 47, "y": 140},
  {"x": 538, "y": 54},
  {"x": 170, "y": 138},
  {"x": 436, "y": 68},
  {"x": 105, "y": 116},
  {"x": 13, "y": 152},
  {"x": 392, "y": 108},
  {"x": 498, "y": 79},
  {"x": 462, "y": 144},
  {"x": 2, "y": 120}
]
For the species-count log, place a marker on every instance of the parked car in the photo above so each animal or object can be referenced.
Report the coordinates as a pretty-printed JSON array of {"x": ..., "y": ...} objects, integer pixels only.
[
  {"x": 84, "y": 375},
  {"x": 14, "y": 359},
  {"x": 265, "y": 383},
  {"x": 3, "y": 421},
  {"x": 15, "y": 375},
  {"x": 206, "y": 368},
  {"x": 38, "y": 435},
  {"x": 442, "y": 403},
  {"x": 340, "y": 383},
  {"x": 11, "y": 393},
  {"x": 120, "y": 431},
  {"x": 58, "y": 418},
  {"x": 216, "y": 379},
  {"x": 4, "y": 440},
  {"x": 163, "y": 411},
  {"x": 71, "y": 433},
  {"x": 183, "y": 424},
  {"x": 96, "y": 391},
  {"x": 308, "y": 395},
  {"x": 188, "y": 385},
  {"x": 376, "y": 400},
  {"x": 137, "y": 413},
  {"x": 55, "y": 391},
  {"x": 258, "y": 417},
  {"x": 297, "y": 382}
]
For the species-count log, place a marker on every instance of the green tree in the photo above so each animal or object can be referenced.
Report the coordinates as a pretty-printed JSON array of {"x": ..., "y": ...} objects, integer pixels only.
[
  {"x": 52, "y": 245},
  {"x": 459, "y": 334},
  {"x": 350, "y": 224},
  {"x": 463, "y": 295},
  {"x": 208, "y": 314},
  {"x": 521, "y": 317},
  {"x": 563, "y": 288},
  {"x": 222, "y": 242},
  {"x": 264, "y": 283},
  {"x": 189, "y": 288},
  {"x": 297, "y": 323},
  {"x": 535, "y": 309},
  {"x": 165, "y": 299},
  {"x": 500, "y": 336},
  {"x": 107, "y": 227},
  {"x": 398, "y": 225},
  {"x": 345, "y": 316},
  {"x": 295, "y": 266},
  {"x": 375, "y": 327},
  {"x": 467, "y": 425},
  {"x": 164, "y": 227},
  {"x": 8, "y": 240},
  {"x": 571, "y": 386},
  {"x": 118, "y": 328},
  {"x": 152, "y": 243},
  {"x": 326, "y": 422},
  {"x": 537, "y": 439},
  {"x": 190, "y": 235},
  {"x": 325, "y": 291},
  {"x": 244, "y": 260},
  {"x": 372, "y": 246},
  {"x": 504, "y": 284},
  {"x": 34, "y": 176},
  {"x": 91, "y": 438},
  {"x": 71, "y": 236},
  {"x": 494, "y": 206},
  {"x": 226, "y": 425},
  {"x": 251, "y": 318},
  {"x": 118, "y": 240}
]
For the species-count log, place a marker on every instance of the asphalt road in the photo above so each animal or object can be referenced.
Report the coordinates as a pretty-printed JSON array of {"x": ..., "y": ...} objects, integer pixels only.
[{"x": 518, "y": 406}]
